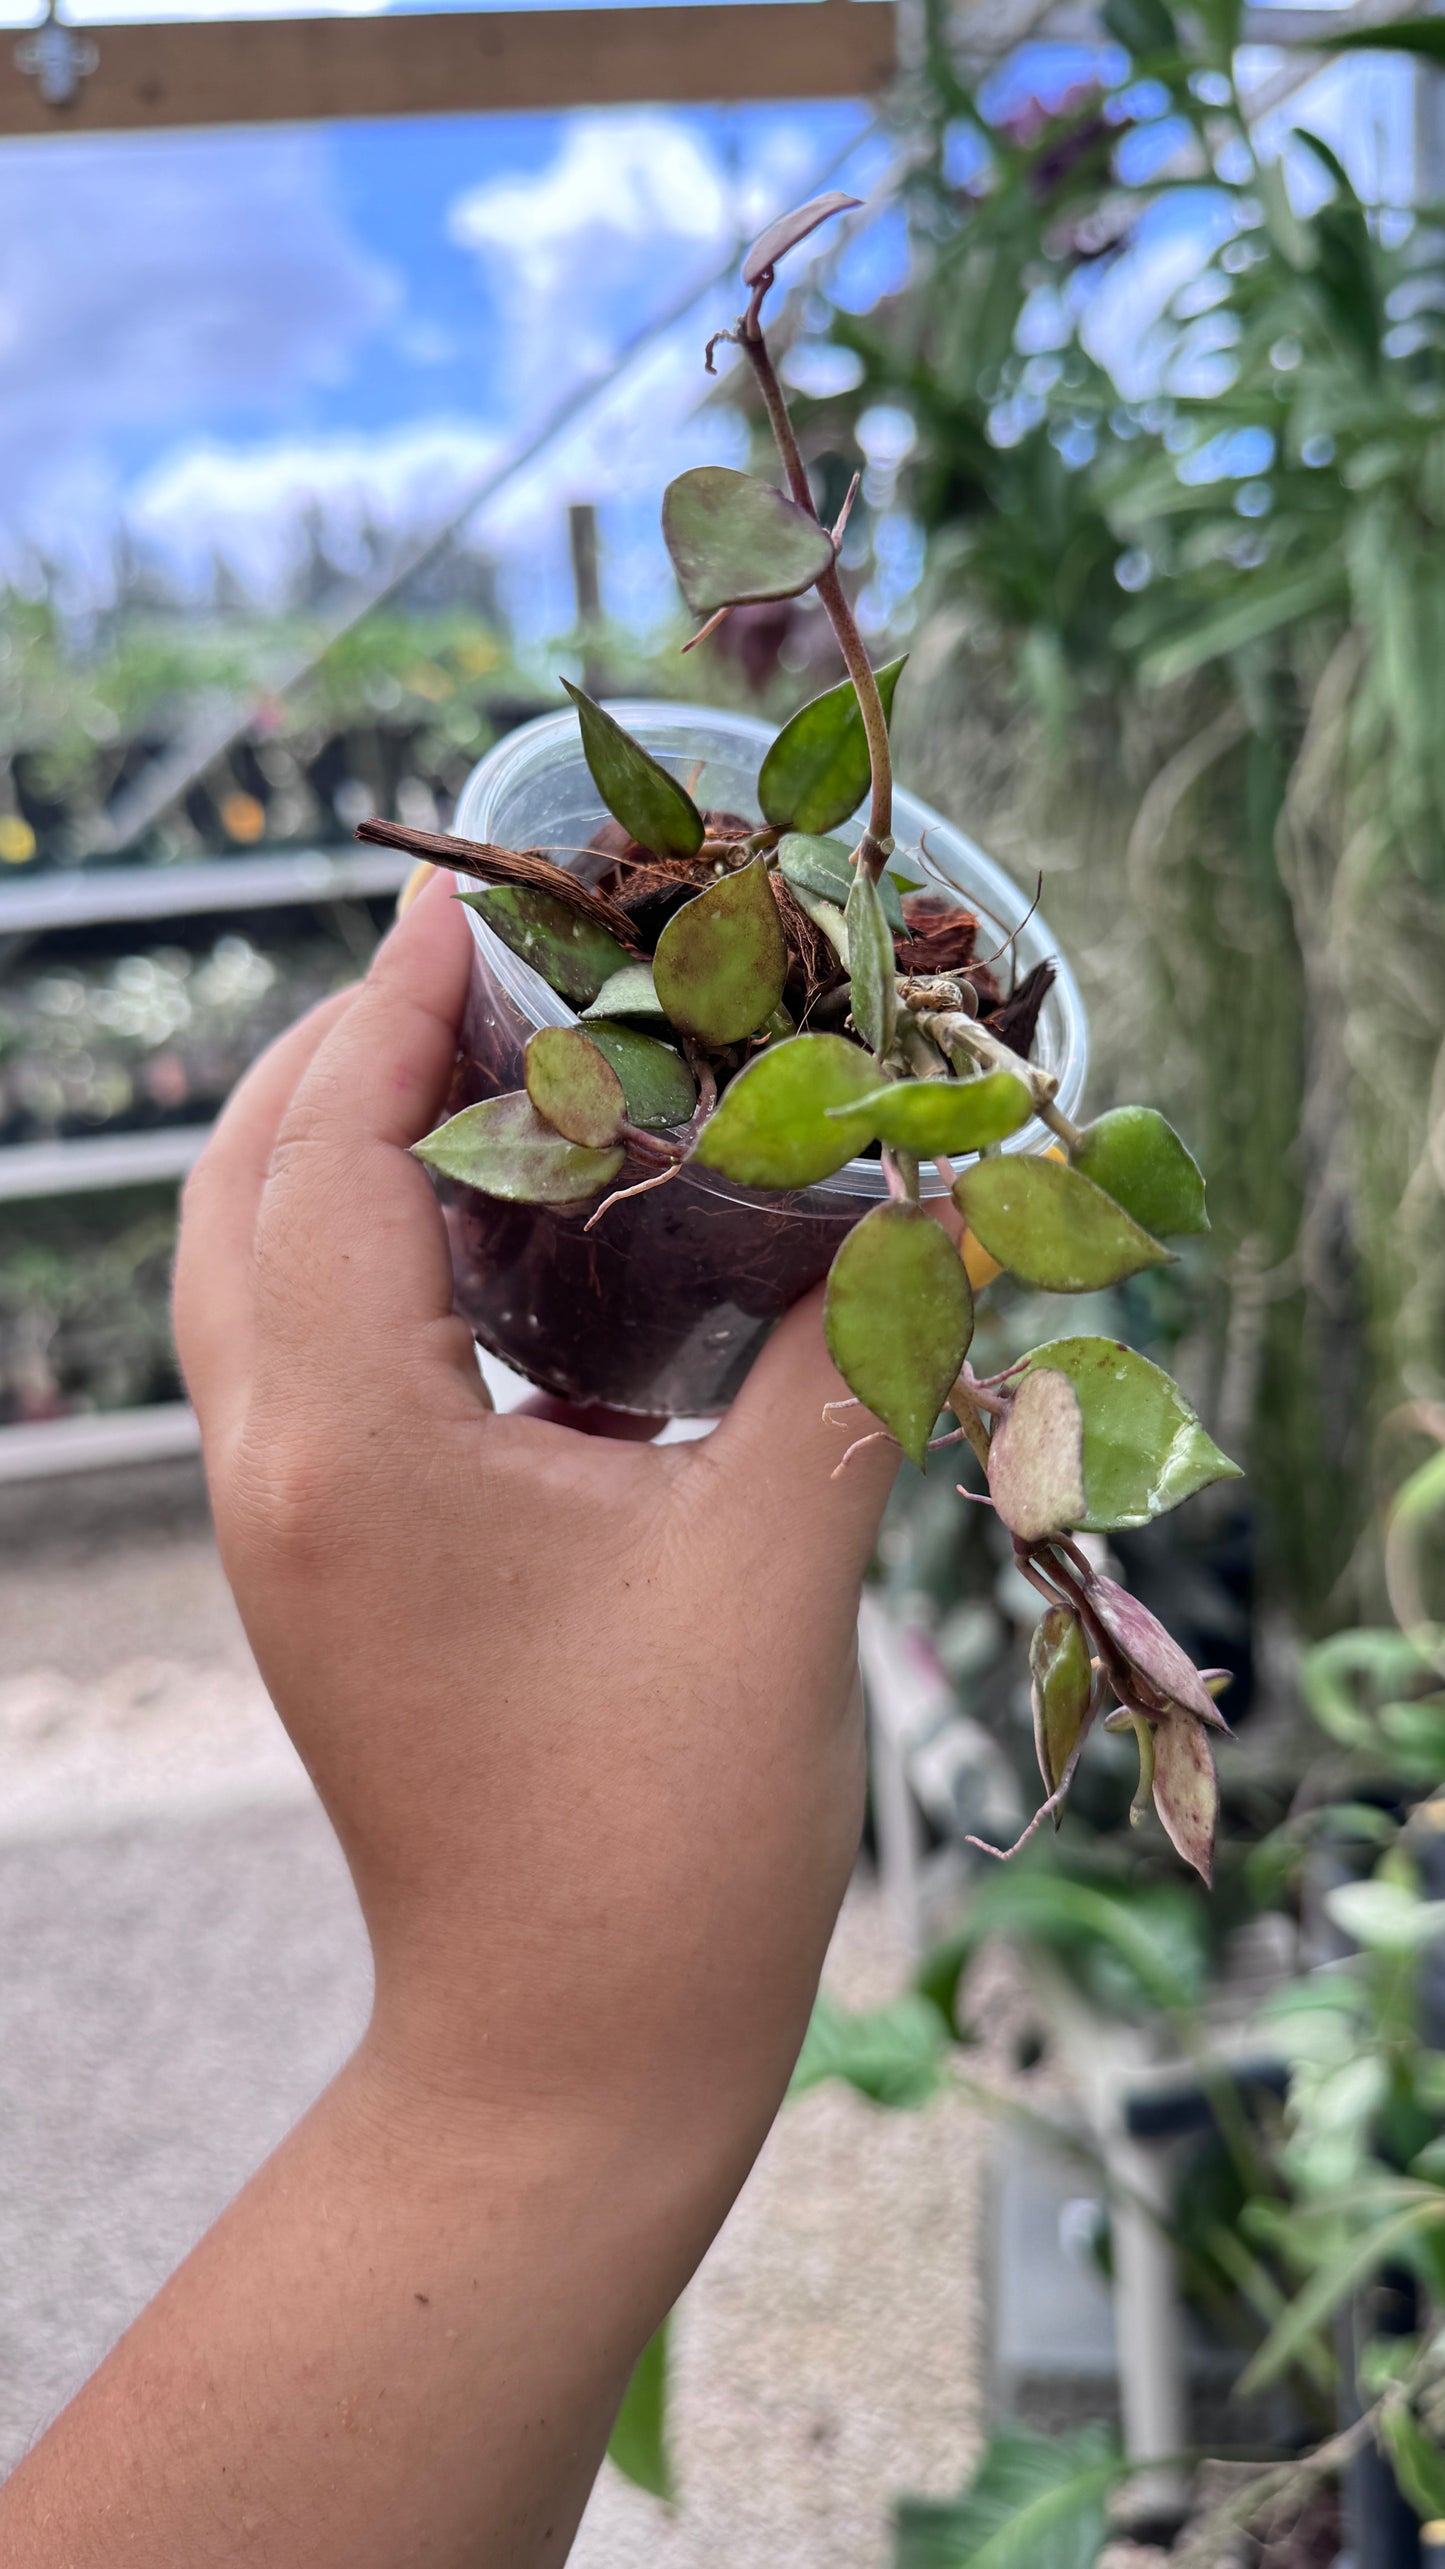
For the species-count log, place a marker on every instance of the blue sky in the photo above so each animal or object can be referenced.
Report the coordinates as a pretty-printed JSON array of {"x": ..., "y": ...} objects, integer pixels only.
[{"x": 207, "y": 334}]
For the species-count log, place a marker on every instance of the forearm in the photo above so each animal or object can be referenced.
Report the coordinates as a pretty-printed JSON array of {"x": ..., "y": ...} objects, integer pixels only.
[{"x": 403, "y": 2343}]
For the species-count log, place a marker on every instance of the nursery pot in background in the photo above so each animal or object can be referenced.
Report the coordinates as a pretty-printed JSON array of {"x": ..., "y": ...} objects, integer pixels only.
[{"x": 662, "y": 1306}]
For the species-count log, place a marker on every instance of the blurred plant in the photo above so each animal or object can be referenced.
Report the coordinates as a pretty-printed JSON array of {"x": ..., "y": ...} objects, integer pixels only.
[{"x": 1221, "y": 598}]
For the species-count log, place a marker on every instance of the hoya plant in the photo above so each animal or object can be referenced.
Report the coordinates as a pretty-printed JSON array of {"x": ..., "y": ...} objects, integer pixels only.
[{"x": 769, "y": 1000}]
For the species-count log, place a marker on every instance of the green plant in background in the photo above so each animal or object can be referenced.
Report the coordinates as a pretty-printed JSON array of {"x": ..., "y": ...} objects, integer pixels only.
[
  {"x": 1189, "y": 636},
  {"x": 697, "y": 961}
]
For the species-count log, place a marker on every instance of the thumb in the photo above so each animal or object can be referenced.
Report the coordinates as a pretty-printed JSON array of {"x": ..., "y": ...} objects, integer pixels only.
[{"x": 780, "y": 1452}]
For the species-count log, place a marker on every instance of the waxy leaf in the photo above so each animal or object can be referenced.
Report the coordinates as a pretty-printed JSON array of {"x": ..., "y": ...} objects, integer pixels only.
[
  {"x": 775, "y": 1125},
  {"x": 898, "y": 1316},
  {"x": 573, "y": 1087},
  {"x": 1186, "y": 1790},
  {"x": 1051, "y": 1228},
  {"x": 734, "y": 540},
  {"x": 657, "y": 1086},
  {"x": 874, "y": 983},
  {"x": 628, "y": 993},
  {"x": 722, "y": 960},
  {"x": 1036, "y": 1459},
  {"x": 1169, "y": 1674},
  {"x": 1139, "y": 1159},
  {"x": 935, "y": 1118},
  {"x": 570, "y": 952},
  {"x": 1144, "y": 1449},
  {"x": 789, "y": 230},
  {"x": 817, "y": 770},
  {"x": 824, "y": 867},
  {"x": 650, "y": 804},
  {"x": 1061, "y": 1682},
  {"x": 502, "y": 1147}
]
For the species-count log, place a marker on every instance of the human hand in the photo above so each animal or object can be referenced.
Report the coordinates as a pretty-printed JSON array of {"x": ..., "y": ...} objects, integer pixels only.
[{"x": 583, "y": 1713}]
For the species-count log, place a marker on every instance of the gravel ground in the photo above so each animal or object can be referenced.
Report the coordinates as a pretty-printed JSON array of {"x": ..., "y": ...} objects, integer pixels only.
[{"x": 186, "y": 1967}]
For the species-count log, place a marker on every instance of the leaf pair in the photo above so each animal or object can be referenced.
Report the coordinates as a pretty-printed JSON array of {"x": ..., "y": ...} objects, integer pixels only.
[
  {"x": 1076, "y": 1229},
  {"x": 805, "y": 1107},
  {"x": 564, "y": 1137},
  {"x": 1097, "y": 1438}
]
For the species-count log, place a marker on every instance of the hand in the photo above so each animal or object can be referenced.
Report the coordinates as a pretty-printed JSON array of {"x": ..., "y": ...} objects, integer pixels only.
[{"x": 585, "y": 1717}]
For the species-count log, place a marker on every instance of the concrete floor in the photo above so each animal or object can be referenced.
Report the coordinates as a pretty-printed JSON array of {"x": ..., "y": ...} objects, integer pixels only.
[{"x": 182, "y": 1969}]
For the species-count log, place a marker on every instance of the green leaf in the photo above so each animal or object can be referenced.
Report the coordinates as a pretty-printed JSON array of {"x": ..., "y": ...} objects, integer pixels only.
[
  {"x": 898, "y": 1316},
  {"x": 936, "y": 1118},
  {"x": 1186, "y": 1792},
  {"x": 1061, "y": 1683},
  {"x": 1393, "y": 35},
  {"x": 637, "y": 2446},
  {"x": 722, "y": 959},
  {"x": 1051, "y": 1228},
  {"x": 570, "y": 952},
  {"x": 632, "y": 992},
  {"x": 502, "y": 1147},
  {"x": 1035, "y": 2502},
  {"x": 1036, "y": 1459},
  {"x": 1145, "y": 28},
  {"x": 817, "y": 770},
  {"x": 892, "y": 2055},
  {"x": 637, "y": 790},
  {"x": 735, "y": 540},
  {"x": 1386, "y": 1918},
  {"x": 824, "y": 867},
  {"x": 1419, "y": 2464},
  {"x": 1139, "y": 1159},
  {"x": 1368, "y": 2249},
  {"x": 775, "y": 1124},
  {"x": 577, "y": 1092},
  {"x": 872, "y": 979},
  {"x": 659, "y": 1089},
  {"x": 1144, "y": 1449}
]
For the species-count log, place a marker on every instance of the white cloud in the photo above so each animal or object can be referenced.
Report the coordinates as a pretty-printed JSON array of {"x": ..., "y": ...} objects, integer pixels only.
[
  {"x": 152, "y": 281},
  {"x": 253, "y": 505}
]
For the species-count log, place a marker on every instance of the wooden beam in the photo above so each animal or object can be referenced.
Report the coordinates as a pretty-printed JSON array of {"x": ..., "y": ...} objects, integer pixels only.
[{"x": 451, "y": 62}]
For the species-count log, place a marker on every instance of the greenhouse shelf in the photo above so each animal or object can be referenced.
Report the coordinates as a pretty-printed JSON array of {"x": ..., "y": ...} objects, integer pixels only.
[
  {"x": 91, "y": 897},
  {"x": 29, "y": 1170},
  {"x": 98, "y": 1441}
]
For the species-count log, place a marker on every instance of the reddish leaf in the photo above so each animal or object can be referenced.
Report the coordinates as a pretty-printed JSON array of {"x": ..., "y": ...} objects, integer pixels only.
[
  {"x": 789, "y": 230},
  {"x": 1036, "y": 1459},
  {"x": 1186, "y": 1790},
  {"x": 1170, "y": 1676}
]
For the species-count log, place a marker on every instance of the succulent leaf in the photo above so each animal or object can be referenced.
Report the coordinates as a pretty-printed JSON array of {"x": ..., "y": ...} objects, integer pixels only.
[
  {"x": 817, "y": 769},
  {"x": 874, "y": 1000},
  {"x": 1144, "y": 1448},
  {"x": 937, "y": 1117},
  {"x": 573, "y": 1087},
  {"x": 503, "y": 1148},
  {"x": 1036, "y": 1459},
  {"x": 735, "y": 540},
  {"x": 1051, "y": 1228},
  {"x": 658, "y": 1088},
  {"x": 776, "y": 1124},
  {"x": 637, "y": 790},
  {"x": 1136, "y": 1157},
  {"x": 631, "y": 992},
  {"x": 571, "y": 953},
  {"x": 1061, "y": 1682},
  {"x": 898, "y": 1316},
  {"x": 1168, "y": 1672},
  {"x": 824, "y": 867},
  {"x": 722, "y": 959},
  {"x": 789, "y": 229},
  {"x": 1186, "y": 1790}
]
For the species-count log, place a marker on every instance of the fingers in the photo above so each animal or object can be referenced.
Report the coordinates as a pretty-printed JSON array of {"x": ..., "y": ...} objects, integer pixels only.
[
  {"x": 779, "y": 1452},
  {"x": 351, "y": 1250},
  {"x": 213, "y": 1279}
]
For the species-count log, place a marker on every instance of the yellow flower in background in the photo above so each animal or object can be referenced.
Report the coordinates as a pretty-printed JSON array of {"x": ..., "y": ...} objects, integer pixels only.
[
  {"x": 17, "y": 840},
  {"x": 243, "y": 818}
]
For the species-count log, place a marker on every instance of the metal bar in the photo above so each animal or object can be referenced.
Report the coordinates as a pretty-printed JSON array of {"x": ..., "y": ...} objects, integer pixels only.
[
  {"x": 90, "y": 1444},
  {"x": 88, "y": 898},
  {"x": 80, "y": 1166},
  {"x": 455, "y": 62}
]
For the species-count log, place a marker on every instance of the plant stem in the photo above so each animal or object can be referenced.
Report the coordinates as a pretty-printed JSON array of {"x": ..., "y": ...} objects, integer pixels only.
[
  {"x": 954, "y": 1032},
  {"x": 876, "y": 844}
]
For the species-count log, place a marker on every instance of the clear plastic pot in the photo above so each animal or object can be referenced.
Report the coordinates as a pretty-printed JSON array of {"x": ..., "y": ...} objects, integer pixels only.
[{"x": 663, "y": 1306}]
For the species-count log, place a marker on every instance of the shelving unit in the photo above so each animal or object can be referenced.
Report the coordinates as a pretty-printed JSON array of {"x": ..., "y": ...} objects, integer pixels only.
[{"x": 30, "y": 1171}]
